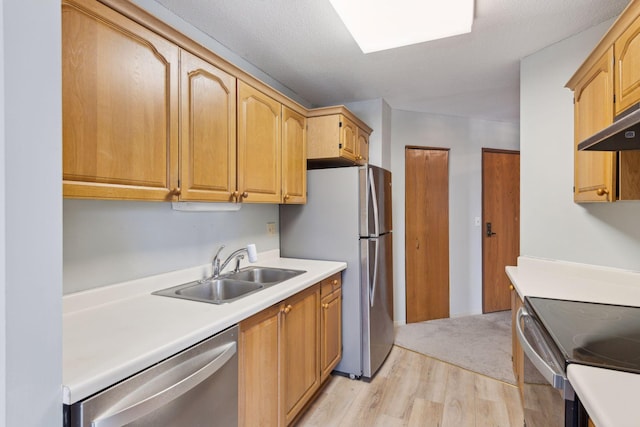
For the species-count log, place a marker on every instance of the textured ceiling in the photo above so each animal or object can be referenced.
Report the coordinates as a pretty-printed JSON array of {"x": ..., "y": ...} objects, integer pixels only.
[{"x": 304, "y": 45}]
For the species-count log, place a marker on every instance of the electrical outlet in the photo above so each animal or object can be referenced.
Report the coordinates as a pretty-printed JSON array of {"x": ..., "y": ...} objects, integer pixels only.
[
  {"x": 476, "y": 221},
  {"x": 271, "y": 228}
]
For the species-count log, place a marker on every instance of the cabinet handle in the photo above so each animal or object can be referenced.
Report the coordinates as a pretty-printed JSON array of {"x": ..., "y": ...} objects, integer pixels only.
[
  {"x": 510, "y": 287},
  {"x": 325, "y": 305},
  {"x": 335, "y": 282},
  {"x": 287, "y": 309},
  {"x": 245, "y": 194},
  {"x": 602, "y": 191},
  {"x": 176, "y": 191},
  {"x": 286, "y": 197},
  {"x": 235, "y": 195},
  {"x": 358, "y": 157}
]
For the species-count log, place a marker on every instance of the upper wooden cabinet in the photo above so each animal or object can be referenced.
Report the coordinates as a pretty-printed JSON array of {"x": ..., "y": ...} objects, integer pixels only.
[
  {"x": 208, "y": 118},
  {"x": 294, "y": 157},
  {"x": 363, "y": 146},
  {"x": 150, "y": 115},
  {"x": 120, "y": 118},
  {"x": 627, "y": 54},
  {"x": 593, "y": 111},
  {"x": 336, "y": 137},
  {"x": 605, "y": 86},
  {"x": 259, "y": 146}
]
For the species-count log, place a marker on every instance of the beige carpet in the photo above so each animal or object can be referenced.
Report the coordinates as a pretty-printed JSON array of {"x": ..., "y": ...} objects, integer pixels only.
[{"x": 479, "y": 343}]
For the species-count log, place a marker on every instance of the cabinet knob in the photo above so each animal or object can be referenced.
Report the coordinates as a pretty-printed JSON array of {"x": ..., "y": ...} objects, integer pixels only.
[
  {"x": 510, "y": 287},
  {"x": 358, "y": 157},
  {"x": 325, "y": 305},
  {"x": 235, "y": 195},
  {"x": 245, "y": 194},
  {"x": 286, "y": 197},
  {"x": 176, "y": 191},
  {"x": 287, "y": 309},
  {"x": 335, "y": 282},
  {"x": 602, "y": 191}
]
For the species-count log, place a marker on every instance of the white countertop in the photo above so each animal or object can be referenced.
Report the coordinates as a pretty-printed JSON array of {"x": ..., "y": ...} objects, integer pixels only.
[
  {"x": 113, "y": 332},
  {"x": 610, "y": 397}
]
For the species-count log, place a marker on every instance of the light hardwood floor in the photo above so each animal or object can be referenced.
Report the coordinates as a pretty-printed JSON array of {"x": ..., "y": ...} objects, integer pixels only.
[{"x": 415, "y": 390}]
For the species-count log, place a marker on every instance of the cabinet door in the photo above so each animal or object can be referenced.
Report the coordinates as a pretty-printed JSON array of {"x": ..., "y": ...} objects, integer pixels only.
[
  {"x": 594, "y": 171},
  {"x": 627, "y": 54},
  {"x": 362, "y": 147},
  {"x": 259, "y": 146},
  {"x": 119, "y": 107},
  {"x": 208, "y": 125},
  {"x": 258, "y": 369},
  {"x": 300, "y": 341},
  {"x": 330, "y": 332},
  {"x": 294, "y": 157},
  {"x": 348, "y": 135}
]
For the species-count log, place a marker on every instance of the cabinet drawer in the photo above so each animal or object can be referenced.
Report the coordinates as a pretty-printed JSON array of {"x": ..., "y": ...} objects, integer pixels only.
[{"x": 330, "y": 284}]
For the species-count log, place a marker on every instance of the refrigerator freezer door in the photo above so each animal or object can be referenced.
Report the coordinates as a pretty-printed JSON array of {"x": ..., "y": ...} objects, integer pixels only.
[
  {"x": 375, "y": 195},
  {"x": 377, "y": 302}
]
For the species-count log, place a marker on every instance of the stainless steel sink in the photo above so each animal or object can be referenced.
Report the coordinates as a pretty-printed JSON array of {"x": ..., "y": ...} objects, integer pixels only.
[
  {"x": 265, "y": 275},
  {"x": 216, "y": 291},
  {"x": 231, "y": 286}
]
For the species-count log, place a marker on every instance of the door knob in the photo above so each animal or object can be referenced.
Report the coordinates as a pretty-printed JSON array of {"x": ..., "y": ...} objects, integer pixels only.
[{"x": 489, "y": 232}]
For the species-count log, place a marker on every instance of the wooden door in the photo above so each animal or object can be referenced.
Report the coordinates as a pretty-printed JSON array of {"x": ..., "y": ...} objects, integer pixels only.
[
  {"x": 593, "y": 110},
  {"x": 427, "y": 233},
  {"x": 259, "y": 146},
  {"x": 208, "y": 117},
  {"x": 330, "y": 332},
  {"x": 348, "y": 133},
  {"x": 300, "y": 347},
  {"x": 501, "y": 225},
  {"x": 294, "y": 157},
  {"x": 259, "y": 370},
  {"x": 119, "y": 107},
  {"x": 363, "y": 147}
]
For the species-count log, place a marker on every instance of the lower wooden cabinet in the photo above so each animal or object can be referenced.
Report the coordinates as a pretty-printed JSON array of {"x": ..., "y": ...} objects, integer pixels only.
[
  {"x": 259, "y": 369},
  {"x": 330, "y": 325},
  {"x": 280, "y": 354}
]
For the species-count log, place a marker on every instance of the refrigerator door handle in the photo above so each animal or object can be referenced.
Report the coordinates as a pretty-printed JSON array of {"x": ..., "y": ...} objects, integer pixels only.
[
  {"x": 374, "y": 200},
  {"x": 372, "y": 284}
]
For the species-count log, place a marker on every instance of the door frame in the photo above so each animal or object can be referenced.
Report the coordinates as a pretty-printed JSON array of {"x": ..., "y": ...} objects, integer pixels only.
[{"x": 482, "y": 218}]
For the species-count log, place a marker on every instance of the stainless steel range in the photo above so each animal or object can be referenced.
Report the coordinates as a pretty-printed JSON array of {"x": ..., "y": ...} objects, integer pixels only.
[{"x": 555, "y": 333}]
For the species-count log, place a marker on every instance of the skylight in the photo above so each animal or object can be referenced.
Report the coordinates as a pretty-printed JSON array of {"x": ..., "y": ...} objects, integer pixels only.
[{"x": 385, "y": 24}]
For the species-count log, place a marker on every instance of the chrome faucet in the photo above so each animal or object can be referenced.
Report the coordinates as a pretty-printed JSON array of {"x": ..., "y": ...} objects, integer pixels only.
[{"x": 238, "y": 254}]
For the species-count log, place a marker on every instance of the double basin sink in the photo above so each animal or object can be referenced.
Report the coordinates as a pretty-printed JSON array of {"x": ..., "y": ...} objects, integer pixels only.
[{"x": 231, "y": 286}]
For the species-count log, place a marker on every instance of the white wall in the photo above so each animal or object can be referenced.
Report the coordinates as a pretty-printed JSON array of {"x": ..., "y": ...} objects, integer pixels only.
[
  {"x": 107, "y": 242},
  {"x": 465, "y": 138},
  {"x": 552, "y": 225},
  {"x": 32, "y": 214},
  {"x": 3, "y": 245}
]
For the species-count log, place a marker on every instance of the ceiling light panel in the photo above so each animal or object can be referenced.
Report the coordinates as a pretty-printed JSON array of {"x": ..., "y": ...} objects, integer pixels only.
[{"x": 379, "y": 25}]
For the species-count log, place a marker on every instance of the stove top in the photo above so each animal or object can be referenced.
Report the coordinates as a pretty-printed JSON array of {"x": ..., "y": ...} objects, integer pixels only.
[{"x": 601, "y": 335}]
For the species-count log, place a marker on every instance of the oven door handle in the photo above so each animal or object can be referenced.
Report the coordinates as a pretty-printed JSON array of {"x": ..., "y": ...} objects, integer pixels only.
[{"x": 556, "y": 378}]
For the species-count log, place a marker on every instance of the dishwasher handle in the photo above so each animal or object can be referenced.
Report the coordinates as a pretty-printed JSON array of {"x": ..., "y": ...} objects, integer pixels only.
[
  {"x": 555, "y": 377},
  {"x": 145, "y": 406}
]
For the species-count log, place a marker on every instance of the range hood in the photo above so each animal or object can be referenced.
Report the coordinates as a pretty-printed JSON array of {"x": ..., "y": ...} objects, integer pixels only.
[{"x": 622, "y": 134}]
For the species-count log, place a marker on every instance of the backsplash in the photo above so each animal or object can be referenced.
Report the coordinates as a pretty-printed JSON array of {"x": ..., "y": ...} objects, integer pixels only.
[{"x": 107, "y": 242}]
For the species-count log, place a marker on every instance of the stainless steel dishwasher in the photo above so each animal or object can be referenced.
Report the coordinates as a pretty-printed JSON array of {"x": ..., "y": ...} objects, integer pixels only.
[{"x": 197, "y": 387}]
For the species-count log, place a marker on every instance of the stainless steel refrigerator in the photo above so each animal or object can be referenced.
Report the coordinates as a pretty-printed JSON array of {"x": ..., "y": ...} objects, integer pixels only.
[{"x": 348, "y": 218}]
